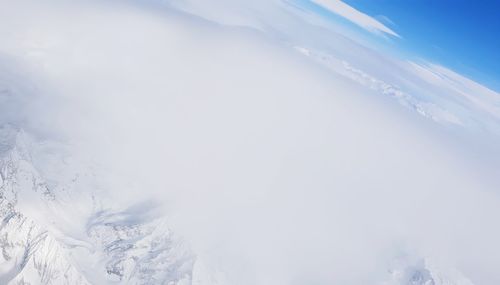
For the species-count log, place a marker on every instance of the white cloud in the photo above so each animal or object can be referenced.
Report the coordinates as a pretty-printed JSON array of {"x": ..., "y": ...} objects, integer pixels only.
[
  {"x": 273, "y": 168},
  {"x": 357, "y": 17}
]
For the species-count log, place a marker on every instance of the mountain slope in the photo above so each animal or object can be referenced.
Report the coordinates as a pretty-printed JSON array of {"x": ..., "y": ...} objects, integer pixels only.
[{"x": 133, "y": 246}]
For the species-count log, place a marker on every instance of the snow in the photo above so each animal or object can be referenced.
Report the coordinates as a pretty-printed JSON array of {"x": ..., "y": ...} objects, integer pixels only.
[
  {"x": 194, "y": 143},
  {"x": 48, "y": 240}
]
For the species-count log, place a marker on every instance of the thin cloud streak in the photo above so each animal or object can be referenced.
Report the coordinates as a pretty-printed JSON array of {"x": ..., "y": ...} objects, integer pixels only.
[{"x": 359, "y": 18}]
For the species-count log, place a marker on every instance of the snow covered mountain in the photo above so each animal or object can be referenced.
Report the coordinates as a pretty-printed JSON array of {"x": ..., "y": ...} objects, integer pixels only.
[
  {"x": 57, "y": 232},
  {"x": 235, "y": 143}
]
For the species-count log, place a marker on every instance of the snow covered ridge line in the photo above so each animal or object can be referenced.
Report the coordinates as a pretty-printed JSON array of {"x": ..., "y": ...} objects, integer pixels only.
[
  {"x": 132, "y": 246},
  {"x": 427, "y": 109},
  {"x": 31, "y": 255}
]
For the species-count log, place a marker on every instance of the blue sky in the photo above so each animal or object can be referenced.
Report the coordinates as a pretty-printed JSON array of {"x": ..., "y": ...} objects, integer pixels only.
[{"x": 462, "y": 35}]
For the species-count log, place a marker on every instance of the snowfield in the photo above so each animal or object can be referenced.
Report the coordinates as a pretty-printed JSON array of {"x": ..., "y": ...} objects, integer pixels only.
[{"x": 187, "y": 142}]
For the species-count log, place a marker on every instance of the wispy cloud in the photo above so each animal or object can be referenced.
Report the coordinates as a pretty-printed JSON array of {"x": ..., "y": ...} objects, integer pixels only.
[{"x": 359, "y": 18}]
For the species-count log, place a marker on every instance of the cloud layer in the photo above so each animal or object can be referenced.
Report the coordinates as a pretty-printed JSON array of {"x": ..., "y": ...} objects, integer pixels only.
[{"x": 275, "y": 170}]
